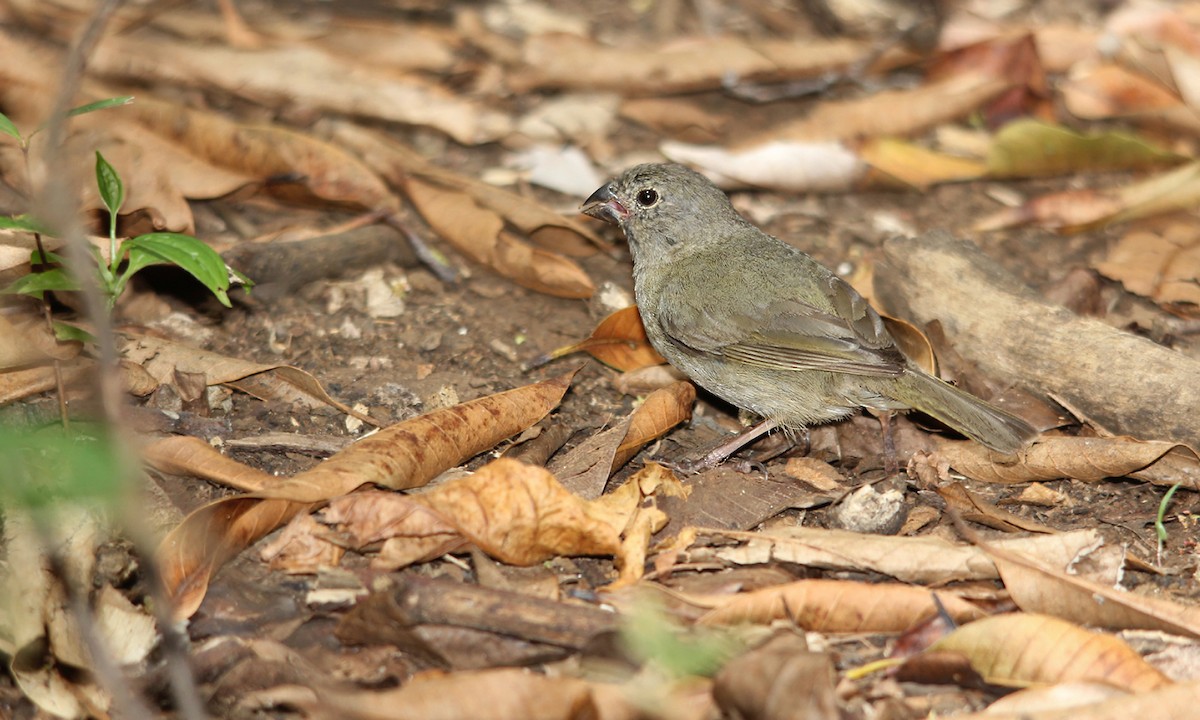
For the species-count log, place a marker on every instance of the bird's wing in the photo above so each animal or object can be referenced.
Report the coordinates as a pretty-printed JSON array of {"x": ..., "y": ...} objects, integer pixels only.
[{"x": 789, "y": 334}]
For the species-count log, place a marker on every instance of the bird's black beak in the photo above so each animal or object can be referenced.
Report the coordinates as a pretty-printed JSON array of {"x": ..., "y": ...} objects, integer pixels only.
[{"x": 603, "y": 205}]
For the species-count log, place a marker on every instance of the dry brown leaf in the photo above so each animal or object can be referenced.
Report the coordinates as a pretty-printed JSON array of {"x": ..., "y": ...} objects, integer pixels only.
[
  {"x": 619, "y": 341},
  {"x": 186, "y": 455},
  {"x": 680, "y": 119},
  {"x": 395, "y": 162},
  {"x": 978, "y": 510},
  {"x": 516, "y": 513},
  {"x": 392, "y": 43},
  {"x": 659, "y": 412},
  {"x": 266, "y": 152},
  {"x": 1108, "y": 92},
  {"x": 1021, "y": 649},
  {"x": 164, "y": 358},
  {"x": 840, "y": 606},
  {"x": 404, "y": 455},
  {"x": 573, "y": 62},
  {"x": 25, "y": 340},
  {"x": 585, "y": 470},
  {"x": 299, "y": 74},
  {"x": 1036, "y": 586},
  {"x": 17, "y": 384},
  {"x": 500, "y": 694},
  {"x": 1088, "y": 459},
  {"x": 892, "y": 113},
  {"x": 209, "y": 537},
  {"x": 920, "y": 560},
  {"x": 1077, "y": 210},
  {"x": 480, "y": 234},
  {"x": 411, "y": 453},
  {"x": 1012, "y": 57},
  {"x": 1163, "y": 266}
]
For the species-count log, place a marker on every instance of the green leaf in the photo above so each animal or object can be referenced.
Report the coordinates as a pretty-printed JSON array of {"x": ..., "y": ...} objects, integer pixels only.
[
  {"x": 21, "y": 222},
  {"x": 52, "y": 257},
  {"x": 1031, "y": 148},
  {"x": 100, "y": 105},
  {"x": 647, "y": 633},
  {"x": 184, "y": 251},
  {"x": 46, "y": 468},
  {"x": 66, "y": 332},
  {"x": 39, "y": 282},
  {"x": 112, "y": 192},
  {"x": 8, "y": 128}
]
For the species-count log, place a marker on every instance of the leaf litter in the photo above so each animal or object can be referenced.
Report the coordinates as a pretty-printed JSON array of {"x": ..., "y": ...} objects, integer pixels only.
[{"x": 424, "y": 119}]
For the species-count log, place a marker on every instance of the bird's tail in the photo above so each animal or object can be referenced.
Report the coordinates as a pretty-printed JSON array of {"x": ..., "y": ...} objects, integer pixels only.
[{"x": 984, "y": 423}]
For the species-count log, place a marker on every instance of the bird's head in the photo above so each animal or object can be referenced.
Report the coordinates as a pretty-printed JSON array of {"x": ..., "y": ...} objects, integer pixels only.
[{"x": 661, "y": 205}]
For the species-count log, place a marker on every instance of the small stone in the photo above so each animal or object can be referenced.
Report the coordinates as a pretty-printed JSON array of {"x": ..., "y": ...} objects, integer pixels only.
[{"x": 866, "y": 510}]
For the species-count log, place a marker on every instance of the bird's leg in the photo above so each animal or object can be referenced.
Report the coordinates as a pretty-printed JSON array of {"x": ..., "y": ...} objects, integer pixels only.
[
  {"x": 720, "y": 453},
  {"x": 891, "y": 467}
]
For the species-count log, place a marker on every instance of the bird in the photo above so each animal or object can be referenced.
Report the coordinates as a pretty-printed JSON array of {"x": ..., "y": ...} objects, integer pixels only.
[{"x": 764, "y": 326}]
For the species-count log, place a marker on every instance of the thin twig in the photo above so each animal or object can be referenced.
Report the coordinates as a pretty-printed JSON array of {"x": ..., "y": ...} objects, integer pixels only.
[{"x": 58, "y": 201}]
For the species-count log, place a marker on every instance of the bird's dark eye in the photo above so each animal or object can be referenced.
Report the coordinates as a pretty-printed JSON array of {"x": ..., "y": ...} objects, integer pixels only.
[{"x": 647, "y": 197}]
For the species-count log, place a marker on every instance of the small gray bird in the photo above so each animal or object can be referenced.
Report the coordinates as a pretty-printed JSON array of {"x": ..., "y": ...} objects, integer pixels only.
[{"x": 761, "y": 324}]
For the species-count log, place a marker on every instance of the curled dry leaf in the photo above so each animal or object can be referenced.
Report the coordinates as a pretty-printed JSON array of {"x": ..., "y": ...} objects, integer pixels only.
[
  {"x": 514, "y": 512},
  {"x": 186, "y": 455},
  {"x": 893, "y": 113},
  {"x": 409, "y": 454},
  {"x": 266, "y": 152},
  {"x": 1038, "y": 586},
  {"x": 976, "y": 509},
  {"x": 619, "y": 341},
  {"x": 1077, "y": 210},
  {"x": 840, "y": 606},
  {"x": 17, "y": 384},
  {"x": 25, "y": 341},
  {"x": 164, "y": 358},
  {"x": 1022, "y": 649},
  {"x": 1108, "y": 92},
  {"x": 910, "y": 559},
  {"x": 480, "y": 233},
  {"x": 395, "y": 162},
  {"x": 1088, "y": 459},
  {"x": 774, "y": 680},
  {"x": 661, "y": 410}
]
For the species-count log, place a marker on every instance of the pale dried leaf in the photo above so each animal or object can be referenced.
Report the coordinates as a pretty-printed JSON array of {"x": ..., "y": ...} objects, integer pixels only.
[
  {"x": 918, "y": 560},
  {"x": 840, "y": 606},
  {"x": 1023, "y": 649},
  {"x": 300, "y": 74},
  {"x": 1080, "y": 458}
]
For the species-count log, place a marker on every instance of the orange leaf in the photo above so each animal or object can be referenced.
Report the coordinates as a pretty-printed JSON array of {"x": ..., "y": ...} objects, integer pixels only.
[
  {"x": 405, "y": 455},
  {"x": 479, "y": 232},
  {"x": 1022, "y": 649},
  {"x": 841, "y": 606},
  {"x": 619, "y": 341}
]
